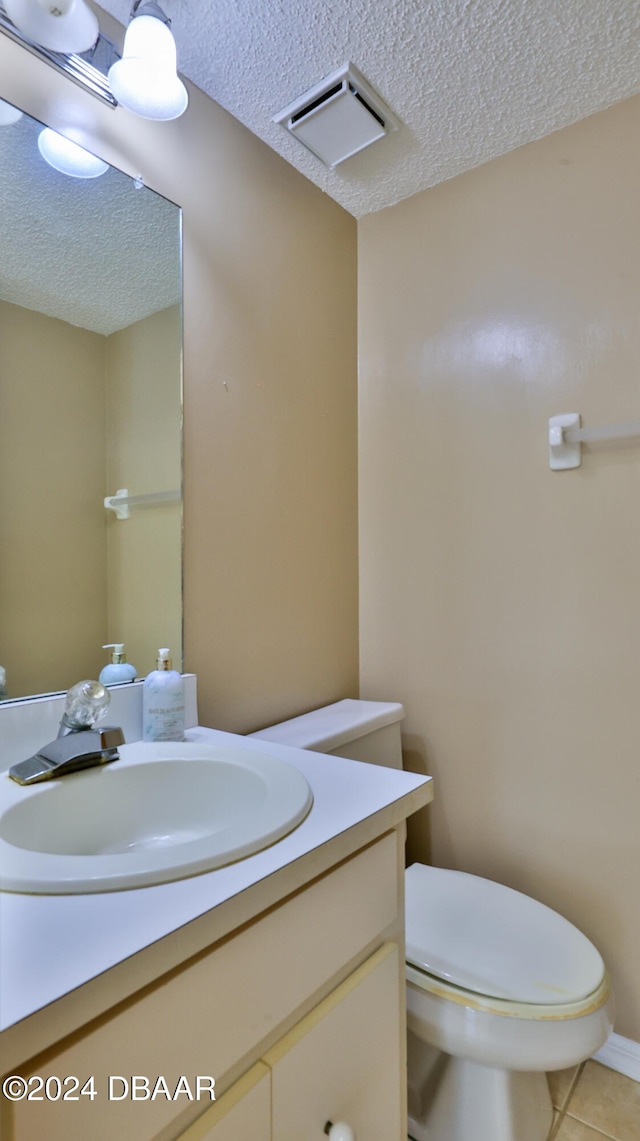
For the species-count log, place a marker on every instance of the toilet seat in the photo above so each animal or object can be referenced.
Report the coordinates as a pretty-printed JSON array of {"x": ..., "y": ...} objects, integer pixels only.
[
  {"x": 487, "y": 1004},
  {"x": 488, "y": 939}
]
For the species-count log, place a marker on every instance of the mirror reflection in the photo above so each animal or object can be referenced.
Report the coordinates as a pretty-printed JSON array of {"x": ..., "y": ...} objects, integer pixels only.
[{"x": 90, "y": 404}]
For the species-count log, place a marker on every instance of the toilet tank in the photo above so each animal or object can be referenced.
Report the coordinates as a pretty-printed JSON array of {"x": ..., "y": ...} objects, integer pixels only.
[{"x": 360, "y": 730}]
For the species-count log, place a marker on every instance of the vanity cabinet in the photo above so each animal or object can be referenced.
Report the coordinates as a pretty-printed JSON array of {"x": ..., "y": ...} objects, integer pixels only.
[
  {"x": 340, "y": 1063},
  {"x": 298, "y": 1015}
]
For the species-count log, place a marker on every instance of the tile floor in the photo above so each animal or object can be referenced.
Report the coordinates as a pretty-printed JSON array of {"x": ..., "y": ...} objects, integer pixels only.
[{"x": 592, "y": 1103}]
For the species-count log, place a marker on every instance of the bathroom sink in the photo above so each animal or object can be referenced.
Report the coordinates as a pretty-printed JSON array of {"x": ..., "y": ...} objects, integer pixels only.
[{"x": 161, "y": 812}]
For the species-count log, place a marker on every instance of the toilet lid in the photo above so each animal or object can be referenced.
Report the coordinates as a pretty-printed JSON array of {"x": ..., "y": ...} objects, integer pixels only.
[{"x": 497, "y": 942}]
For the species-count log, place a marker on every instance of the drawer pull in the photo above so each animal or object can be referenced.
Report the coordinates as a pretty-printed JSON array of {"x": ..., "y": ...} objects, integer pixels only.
[{"x": 339, "y": 1132}]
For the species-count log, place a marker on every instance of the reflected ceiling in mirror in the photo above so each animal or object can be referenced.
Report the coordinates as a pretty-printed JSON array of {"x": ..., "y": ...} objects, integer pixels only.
[
  {"x": 99, "y": 253},
  {"x": 90, "y": 403}
]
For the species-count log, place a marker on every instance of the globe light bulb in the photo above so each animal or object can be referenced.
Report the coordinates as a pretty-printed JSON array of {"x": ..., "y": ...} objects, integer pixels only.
[
  {"x": 67, "y": 157},
  {"x": 145, "y": 80},
  {"x": 8, "y": 114},
  {"x": 60, "y": 25}
]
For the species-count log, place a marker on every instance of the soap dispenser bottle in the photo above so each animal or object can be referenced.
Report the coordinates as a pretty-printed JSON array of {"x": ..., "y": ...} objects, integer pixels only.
[
  {"x": 118, "y": 669},
  {"x": 163, "y": 702}
]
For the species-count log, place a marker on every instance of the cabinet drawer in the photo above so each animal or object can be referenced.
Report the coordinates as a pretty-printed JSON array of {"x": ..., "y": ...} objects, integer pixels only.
[
  {"x": 242, "y": 1114},
  {"x": 210, "y": 1015},
  {"x": 342, "y": 1062}
]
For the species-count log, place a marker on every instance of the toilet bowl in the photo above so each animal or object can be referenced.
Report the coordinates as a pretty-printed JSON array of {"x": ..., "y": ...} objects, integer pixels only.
[{"x": 500, "y": 988}]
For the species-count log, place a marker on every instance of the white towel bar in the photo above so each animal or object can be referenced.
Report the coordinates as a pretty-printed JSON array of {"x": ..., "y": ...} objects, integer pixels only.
[{"x": 122, "y": 501}]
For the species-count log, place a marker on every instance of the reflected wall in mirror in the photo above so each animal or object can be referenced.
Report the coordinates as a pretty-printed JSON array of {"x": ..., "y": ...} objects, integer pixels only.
[{"x": 90, "y": 402}]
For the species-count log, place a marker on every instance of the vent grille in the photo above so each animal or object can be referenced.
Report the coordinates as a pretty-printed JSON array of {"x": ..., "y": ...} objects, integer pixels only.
[
  {"x": 365, "y": 104},
  {"x": 316, "y": 103},
  {"x": 338, "y": 117}
]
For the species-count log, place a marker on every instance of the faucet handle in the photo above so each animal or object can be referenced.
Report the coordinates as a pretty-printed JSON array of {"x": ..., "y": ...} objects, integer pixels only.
[{"x": 86, "y": 704}]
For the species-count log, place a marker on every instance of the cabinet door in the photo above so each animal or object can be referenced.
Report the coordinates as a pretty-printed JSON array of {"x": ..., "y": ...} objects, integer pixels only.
[
  {"x": 243, "y": 1113},
  {"x": 212, "y": 1013},
  {"x": 343, "y": 1062}
]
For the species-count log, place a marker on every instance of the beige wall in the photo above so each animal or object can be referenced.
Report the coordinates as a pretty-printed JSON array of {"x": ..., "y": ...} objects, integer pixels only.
[
  {"x": 143, "y": 365},
  {"x": 53, "y": 616},
  {"x": 270, "y": 399},
  {"x": 499, "y": 599}
]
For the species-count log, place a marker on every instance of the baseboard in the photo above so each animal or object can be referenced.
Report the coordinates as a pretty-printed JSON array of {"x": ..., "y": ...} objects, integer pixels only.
[{"x": 621, "y": 1054}]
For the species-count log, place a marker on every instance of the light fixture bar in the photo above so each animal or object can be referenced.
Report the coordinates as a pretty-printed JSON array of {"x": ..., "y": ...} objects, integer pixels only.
[{"x": 80, "y": 70}]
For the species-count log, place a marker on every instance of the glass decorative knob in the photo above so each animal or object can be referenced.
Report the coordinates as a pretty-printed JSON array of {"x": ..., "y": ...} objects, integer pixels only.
[{"x": 86, "y": 704}]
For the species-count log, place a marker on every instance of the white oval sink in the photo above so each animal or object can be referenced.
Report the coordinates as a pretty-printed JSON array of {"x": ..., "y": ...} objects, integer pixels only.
[{"x": 162, "y": 812}]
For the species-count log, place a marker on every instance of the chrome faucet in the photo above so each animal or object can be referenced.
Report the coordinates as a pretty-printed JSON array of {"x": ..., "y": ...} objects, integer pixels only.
[{"x": 79, "y": 745}]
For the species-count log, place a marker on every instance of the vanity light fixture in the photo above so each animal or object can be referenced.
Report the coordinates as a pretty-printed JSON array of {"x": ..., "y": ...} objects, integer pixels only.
[
  {"x": 145, "y": 80},
  {"x": 68, "y": 157},
  {"x": 59, "y": 25}
]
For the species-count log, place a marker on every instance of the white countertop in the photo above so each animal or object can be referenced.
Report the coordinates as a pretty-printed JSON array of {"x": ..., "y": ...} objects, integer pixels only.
[{"x": 52, "y": 944}]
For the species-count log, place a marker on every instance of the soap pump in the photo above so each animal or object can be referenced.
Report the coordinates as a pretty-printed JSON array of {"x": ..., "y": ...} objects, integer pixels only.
[
  {"x": 118, "y": 669},
  {"x": 163, "y": 702}
]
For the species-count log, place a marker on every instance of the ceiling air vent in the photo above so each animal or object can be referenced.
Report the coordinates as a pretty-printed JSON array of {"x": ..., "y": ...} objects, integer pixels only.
[{"x": 338, "y": 117}]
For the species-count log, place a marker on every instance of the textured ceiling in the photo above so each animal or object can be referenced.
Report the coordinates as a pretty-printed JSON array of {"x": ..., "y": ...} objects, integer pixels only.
[
  {"x": 469, "y": 79},
  {"x": 93, "y": 252}
]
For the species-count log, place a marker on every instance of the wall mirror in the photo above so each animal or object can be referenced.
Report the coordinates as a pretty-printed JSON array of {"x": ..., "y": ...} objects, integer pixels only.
[{"x": 90, "y": 403}]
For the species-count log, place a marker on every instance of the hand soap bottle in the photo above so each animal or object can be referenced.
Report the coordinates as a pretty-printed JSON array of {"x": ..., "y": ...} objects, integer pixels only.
[
  {"x": 118, "y": 669},
  {"x": 163, "y": 702}
]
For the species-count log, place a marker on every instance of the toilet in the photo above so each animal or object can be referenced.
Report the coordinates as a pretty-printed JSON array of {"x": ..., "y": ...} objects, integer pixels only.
[{"x": 500, "y": 988}]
